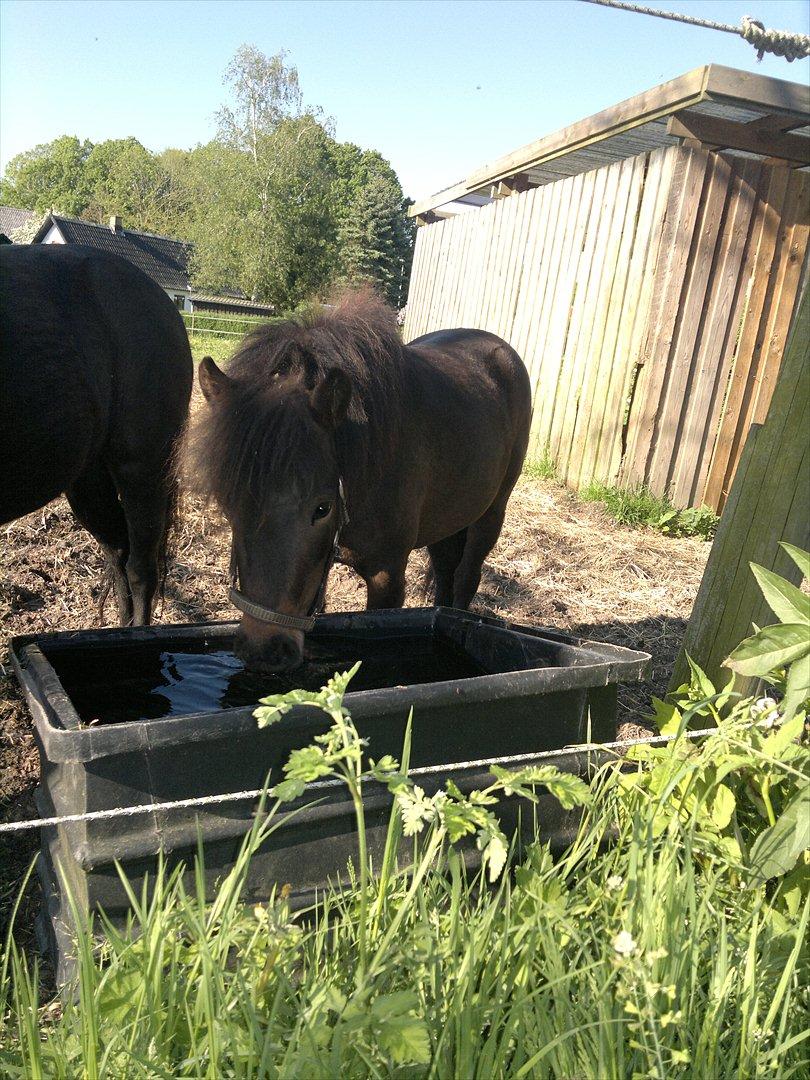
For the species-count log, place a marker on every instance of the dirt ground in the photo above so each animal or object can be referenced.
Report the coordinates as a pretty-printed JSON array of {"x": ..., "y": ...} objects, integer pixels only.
[{"x": 559, "y": 563}]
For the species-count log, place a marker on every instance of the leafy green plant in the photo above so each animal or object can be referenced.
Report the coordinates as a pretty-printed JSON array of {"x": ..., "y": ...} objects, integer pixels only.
[
  {"x": 750, "y": 777},
  {"x": 692, "y": 521},
  {"x": 339, "y": 754},
  {"x": 771, "y": 651}
]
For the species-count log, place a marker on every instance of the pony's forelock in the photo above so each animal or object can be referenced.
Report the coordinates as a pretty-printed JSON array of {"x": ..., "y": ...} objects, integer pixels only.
[{"x": 255, "y": 434}]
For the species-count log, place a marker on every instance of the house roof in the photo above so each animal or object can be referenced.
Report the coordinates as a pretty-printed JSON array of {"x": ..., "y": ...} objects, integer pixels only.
[
  {"x": 747, "y": 114},
  {"x": 11, "y": 218},
  {"x": 165, "y": 260}
]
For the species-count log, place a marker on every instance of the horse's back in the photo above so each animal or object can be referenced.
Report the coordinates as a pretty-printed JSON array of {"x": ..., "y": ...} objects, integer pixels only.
[
  {"x": 477, "y": 353},
  {"x": 94, "y": 361},
  {"x": 482, "y": 366}
]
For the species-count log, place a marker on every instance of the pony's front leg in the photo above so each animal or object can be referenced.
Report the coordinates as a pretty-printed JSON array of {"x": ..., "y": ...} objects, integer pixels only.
[{"x": 386, "y": 587}]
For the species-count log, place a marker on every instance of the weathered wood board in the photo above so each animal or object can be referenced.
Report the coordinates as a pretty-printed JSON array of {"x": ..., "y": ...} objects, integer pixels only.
[{"x": 650, "y": 299}]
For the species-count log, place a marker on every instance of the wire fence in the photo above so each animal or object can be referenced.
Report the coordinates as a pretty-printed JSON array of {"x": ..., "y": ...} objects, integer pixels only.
[
  {"x": 619, "y": 747},
  {"x": 231, "y": 326}
]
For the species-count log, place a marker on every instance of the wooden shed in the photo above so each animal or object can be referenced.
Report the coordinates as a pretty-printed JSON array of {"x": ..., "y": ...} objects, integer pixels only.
[{"x": 646, "y": 263}]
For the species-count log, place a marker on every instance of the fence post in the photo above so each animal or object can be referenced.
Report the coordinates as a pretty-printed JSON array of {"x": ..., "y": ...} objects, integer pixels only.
[{"x": 769, "y": 501}]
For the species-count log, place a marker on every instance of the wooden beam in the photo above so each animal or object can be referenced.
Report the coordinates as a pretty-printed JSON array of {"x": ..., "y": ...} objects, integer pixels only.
[
  {"x": 777, "y": 122},
  {"x": 512, "y": 185},
  {"x": 652, "y": 105},
  {"x": 686, "y": 89},
  {"x": 761, "y": 91},
  {"x": 440, "y": 198},
  {"x": 729, "y": 135}
]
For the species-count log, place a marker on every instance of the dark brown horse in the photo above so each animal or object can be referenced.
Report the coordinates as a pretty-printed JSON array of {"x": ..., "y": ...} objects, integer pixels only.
[
  {"x": 96, "y": 380},
  {"x": 425, "y": 440}
]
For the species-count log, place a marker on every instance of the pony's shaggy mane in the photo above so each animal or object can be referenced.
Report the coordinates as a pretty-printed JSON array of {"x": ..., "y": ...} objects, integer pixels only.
[{"x": 257, "y": 436}]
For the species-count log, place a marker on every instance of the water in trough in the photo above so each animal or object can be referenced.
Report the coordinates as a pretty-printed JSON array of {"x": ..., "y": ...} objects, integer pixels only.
[{"x": 148, "y": 682}]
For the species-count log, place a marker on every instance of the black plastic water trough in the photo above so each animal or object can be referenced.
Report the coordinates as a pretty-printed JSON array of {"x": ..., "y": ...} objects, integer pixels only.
[{"x": 142, "y": 716}]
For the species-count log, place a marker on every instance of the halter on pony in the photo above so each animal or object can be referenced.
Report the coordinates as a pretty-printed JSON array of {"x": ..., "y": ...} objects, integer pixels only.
[{"x": 293, "y": 622}]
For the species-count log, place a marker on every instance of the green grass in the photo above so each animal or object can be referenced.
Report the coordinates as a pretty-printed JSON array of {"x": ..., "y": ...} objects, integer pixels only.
[
  {"x": 542, "y": 468},
  {"x": 639, "y": 507},
  {"x": 220, "y": 348},
  {"x": 636, "y": 507},
  {"x": 655, "y": 956}
]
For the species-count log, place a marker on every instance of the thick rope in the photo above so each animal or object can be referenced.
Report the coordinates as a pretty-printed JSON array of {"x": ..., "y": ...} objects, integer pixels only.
[
  {"x": 779, "y": 42},
  {"x": 236, "y": 796}
]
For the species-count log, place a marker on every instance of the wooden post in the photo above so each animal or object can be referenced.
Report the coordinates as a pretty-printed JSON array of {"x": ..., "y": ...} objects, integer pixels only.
[{"x": 769, "y": 501}]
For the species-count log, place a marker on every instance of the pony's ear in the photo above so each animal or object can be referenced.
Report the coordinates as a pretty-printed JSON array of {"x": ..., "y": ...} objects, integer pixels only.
[
  {"x": 330, "y": 398},
  {"x": 213, "y": 382}
]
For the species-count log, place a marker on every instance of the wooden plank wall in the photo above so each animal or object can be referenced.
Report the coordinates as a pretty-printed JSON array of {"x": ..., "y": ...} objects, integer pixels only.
[
  {"x": 651, "y": 301},
  {"x": 769, "y": 502}
]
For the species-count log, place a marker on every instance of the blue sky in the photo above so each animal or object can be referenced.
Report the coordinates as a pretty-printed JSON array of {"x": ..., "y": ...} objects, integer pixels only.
[{"x": 438, "y": 87}]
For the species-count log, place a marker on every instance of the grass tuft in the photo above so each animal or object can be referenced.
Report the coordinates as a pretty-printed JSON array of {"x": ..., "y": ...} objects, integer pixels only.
[
  {"x": 638, "y": 507},
  {"x": 219, "y": 347},
  {"x": 542, "y": 468}
]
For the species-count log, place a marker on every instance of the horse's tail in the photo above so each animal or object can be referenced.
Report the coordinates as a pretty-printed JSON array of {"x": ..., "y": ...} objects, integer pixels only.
[{"x": 171, "y": 530}]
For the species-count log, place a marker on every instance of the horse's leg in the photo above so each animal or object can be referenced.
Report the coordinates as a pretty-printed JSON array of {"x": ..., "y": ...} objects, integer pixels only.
[
  {"x": 386, "y": 587},
  {"x": 482, "y": 536},
  {"x": 94, "y": 501},
  {"x": 445, "y": 555},
  {"x": 145, "y": 499}
]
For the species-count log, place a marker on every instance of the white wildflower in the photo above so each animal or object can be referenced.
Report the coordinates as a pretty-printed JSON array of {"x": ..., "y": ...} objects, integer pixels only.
[
  {"x": 614, "y": 882},
  {"x": 765, "y": 712},
  {"x": 623, "y": 943}
]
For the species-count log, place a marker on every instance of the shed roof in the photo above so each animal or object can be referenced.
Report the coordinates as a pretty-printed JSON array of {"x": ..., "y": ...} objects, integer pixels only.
[
  {"x": 231, "y": 299},
  {"x": 12, "y": 217},
  {"x": 747, "y": 114},
  {"x": 164, "y": 259}
]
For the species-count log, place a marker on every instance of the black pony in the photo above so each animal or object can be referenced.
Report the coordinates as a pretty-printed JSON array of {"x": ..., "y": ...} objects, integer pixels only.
[
  {"x": 330, "y": 429},
  {"x": 96, "y": 381}
]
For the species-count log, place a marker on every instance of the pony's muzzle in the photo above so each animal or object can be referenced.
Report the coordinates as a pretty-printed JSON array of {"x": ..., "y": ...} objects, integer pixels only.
[{"x": 267, "y": 648}]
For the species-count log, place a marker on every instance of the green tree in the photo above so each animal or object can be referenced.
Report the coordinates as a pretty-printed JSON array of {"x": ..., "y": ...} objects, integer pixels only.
[
  {"x": 51, "y": 176},
  {"x": 265, "y": 92},
  {"x": 26, "y": 233},
  {"x": 264, "y": 219},
  {"x": 123, "y": 177},
  {"x": 219, "y": 218},
  {"x": 375, "y": 236},
  {"x": 273, "y": 205}
]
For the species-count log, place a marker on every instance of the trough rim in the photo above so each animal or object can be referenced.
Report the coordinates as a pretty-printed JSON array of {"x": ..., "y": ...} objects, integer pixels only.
[{"x": 48, "y": 700}]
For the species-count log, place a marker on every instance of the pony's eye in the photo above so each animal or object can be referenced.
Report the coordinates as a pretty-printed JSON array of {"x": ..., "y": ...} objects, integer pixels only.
[{"x": 322, "y": 510}]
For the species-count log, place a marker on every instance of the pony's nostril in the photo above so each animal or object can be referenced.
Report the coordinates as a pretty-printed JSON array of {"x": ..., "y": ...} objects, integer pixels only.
[
  {"x": 277, "y": 653},
  {"x": 283, "y": 651}
]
